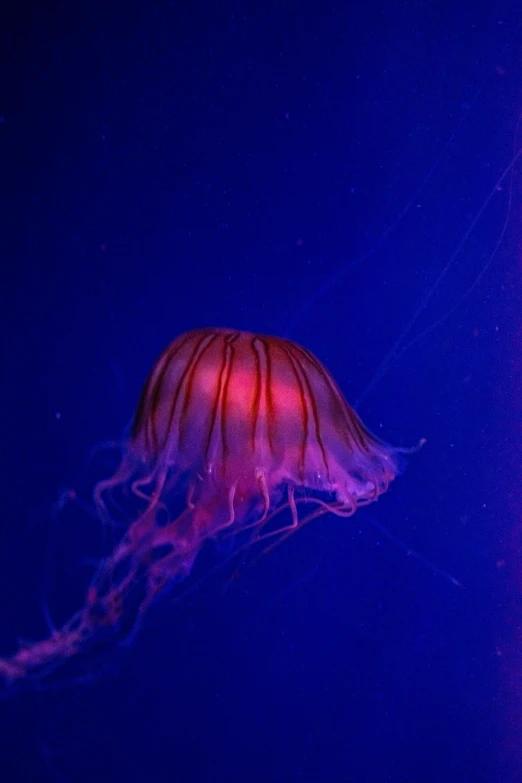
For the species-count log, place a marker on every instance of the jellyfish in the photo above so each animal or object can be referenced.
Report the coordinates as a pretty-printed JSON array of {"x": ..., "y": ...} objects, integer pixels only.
[{"x": 250, "y": 432}]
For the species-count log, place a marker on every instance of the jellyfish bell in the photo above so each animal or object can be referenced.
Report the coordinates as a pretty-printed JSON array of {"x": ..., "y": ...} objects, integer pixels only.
[
  {"x": 244, "y": 426},
  {"x": 250, "y": 412}
]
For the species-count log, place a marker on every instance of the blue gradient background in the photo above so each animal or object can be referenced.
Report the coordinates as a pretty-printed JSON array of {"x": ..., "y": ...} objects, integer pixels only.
[{"x": 166, "y": 166}]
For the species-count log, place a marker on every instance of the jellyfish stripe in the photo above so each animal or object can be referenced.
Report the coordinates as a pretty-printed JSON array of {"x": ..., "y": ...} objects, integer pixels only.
[
  {"x": 356, "y": 430},
  {"x": 228, "y": 348},
  {"x": 270, "y": 413},
  {"x": 304, "y": 409},
  {"x": 316, "y": 418},
  {"x": 187, "y": 378},
  {"x": 256, "y": 395}
]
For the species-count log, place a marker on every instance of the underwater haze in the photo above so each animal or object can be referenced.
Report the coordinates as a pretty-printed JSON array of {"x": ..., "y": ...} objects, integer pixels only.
[{"x": 344, "y": 175}]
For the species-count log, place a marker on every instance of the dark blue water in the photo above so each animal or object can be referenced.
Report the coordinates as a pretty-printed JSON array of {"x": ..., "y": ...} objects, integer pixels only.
[{"x": 173, "y": 165}]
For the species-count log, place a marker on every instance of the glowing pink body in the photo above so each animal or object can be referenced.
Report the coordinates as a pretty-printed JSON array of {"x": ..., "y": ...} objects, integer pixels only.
[{"x": 246, "y": 425}]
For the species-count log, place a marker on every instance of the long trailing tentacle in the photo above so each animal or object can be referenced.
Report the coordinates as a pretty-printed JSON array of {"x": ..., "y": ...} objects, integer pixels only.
[{"x": 127, "y": 582}]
